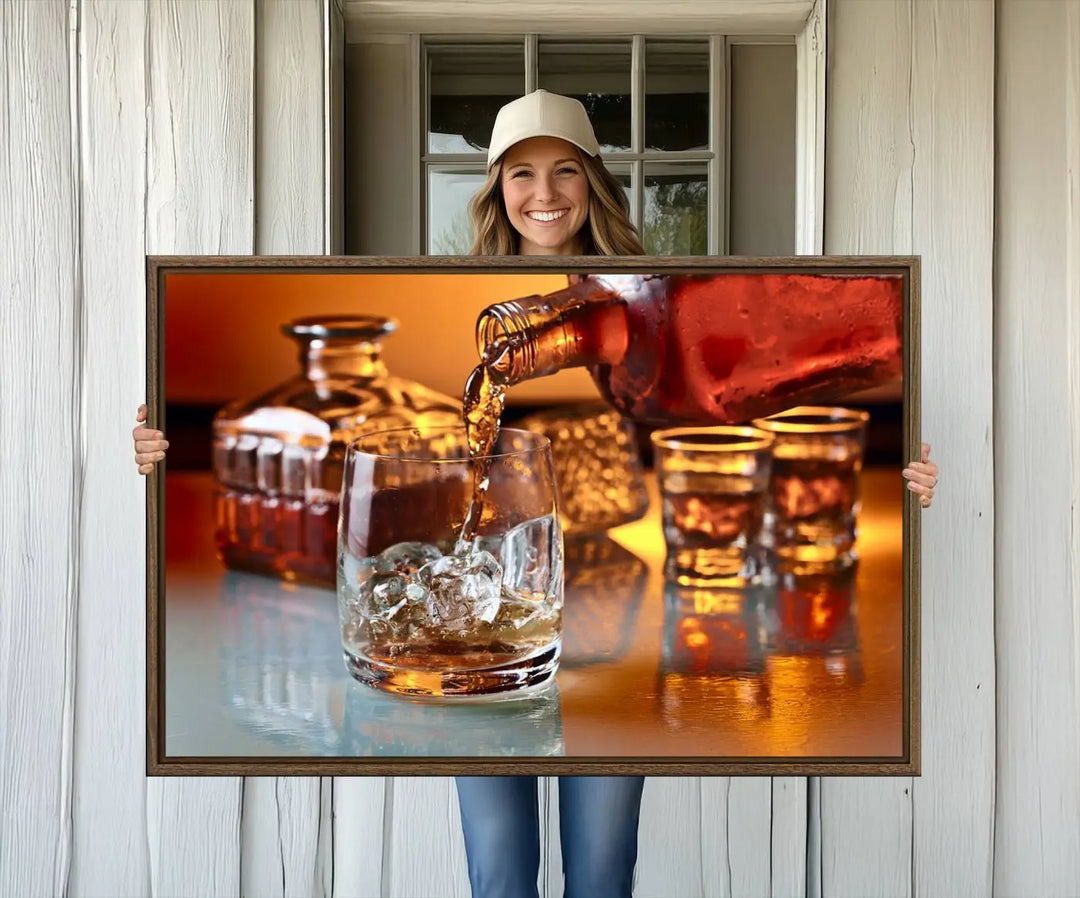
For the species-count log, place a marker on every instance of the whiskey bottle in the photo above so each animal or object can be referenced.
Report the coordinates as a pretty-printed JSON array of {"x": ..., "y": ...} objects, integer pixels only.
[{"x": 719, "y": 348}]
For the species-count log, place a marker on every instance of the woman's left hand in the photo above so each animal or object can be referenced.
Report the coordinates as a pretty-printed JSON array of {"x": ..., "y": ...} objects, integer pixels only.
[{"x": 922, "y": 477}]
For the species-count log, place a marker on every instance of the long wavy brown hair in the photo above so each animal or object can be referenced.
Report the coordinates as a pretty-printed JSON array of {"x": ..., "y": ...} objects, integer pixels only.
[{"x": 607, "y": 231}]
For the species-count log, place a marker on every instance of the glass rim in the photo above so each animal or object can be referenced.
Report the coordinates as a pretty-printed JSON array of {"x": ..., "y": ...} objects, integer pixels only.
[
  {"x": 833, "y": 419},
  {"x": 753, "y": 438},
  {"x": 542, "y": 444}
]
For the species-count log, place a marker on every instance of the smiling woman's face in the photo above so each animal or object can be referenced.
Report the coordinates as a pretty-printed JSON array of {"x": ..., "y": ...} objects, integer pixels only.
[{"x": 546, "y": 195}]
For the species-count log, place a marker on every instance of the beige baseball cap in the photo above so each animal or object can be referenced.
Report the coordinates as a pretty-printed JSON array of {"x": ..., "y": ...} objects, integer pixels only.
[{"x": 541, "y": 114}]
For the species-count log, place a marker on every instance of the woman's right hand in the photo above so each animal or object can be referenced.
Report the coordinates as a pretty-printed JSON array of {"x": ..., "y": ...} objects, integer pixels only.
[{"x": 150, "y": 445}]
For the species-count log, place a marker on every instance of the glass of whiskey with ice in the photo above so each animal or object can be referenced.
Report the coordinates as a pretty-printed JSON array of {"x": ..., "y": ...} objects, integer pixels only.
[
  {"x": 428, "y": 609},
  {"x": 714, "y": 486}
]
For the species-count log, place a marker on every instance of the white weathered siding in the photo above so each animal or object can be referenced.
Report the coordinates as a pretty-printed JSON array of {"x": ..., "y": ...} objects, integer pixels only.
[
  {"x": 1037, "y": 453},
  {"x": 868, "y": 197},
  {"x": 133, "y": 128},
  {"x": 283, "y": 833},
  {"x": 41, "y": 475},
  {"x": 909, "y": 169},
  {"x": 361, "y": 805},
  {"x": 109, "y": 856},
  {"x": 200, "y": 199}
]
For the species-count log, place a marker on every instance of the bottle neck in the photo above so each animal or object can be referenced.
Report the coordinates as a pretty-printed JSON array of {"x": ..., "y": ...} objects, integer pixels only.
[
  {"x": 325, "y": 358},
  {"x": 535, "y": 336}
]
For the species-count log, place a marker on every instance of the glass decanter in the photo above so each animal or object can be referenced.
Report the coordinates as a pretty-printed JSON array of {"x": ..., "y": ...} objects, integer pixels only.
[{"x": 278, "y": 458}]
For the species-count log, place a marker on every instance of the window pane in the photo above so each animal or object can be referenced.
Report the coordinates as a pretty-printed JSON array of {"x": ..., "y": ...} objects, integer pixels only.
[
  {"x": 449, "y": 229},
  {"x": 676, "y": 209},
  {"x": 597, "y": 74},
  {"x": 467, "y": 85},
  {"x": 677, "y": 95},
  {"x": 622, "y": 172}
]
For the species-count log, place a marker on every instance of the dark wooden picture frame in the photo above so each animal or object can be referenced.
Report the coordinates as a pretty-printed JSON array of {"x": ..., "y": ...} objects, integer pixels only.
[{"x": 906, "y": 763}]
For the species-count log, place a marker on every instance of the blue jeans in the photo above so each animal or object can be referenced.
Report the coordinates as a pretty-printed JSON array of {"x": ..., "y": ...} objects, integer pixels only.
[{"x": 598, "y": 823}]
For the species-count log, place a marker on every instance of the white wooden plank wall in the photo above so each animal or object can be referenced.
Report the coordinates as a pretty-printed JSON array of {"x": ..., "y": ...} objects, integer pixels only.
[
  {"x": 285, "y": 836},
  {"x": 42, "y": 471},
  {"x": 110, "y": 827},
  {"x": 909, "y": 168},
  {"x": 200, "y": 199},
  {"x": 1037, "y": 452},
  {"x": 362, "y": 806},
  {"x": 952, "y": 101},
  {"x": 133, "y": 128},
  {"x": 707, "y": 837},
  {"x": 868, "y": 186}
]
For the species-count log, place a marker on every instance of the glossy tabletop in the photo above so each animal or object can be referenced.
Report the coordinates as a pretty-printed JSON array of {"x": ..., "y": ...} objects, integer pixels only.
[{"x": 253, "y": 667}]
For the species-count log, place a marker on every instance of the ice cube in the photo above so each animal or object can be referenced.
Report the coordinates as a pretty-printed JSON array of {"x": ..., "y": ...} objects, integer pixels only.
[
  {"x": 532, "y": 557},
  {"x": 519, "y": 613},
  {"x": 388, "y": 588},
  {"x": 483, "y": 562},
  {"x": 385, "y": 594},
  {"x": 483, "y": 585},
  {"x": 463, "y": 589},
  {"x": 447, "y": 564},
  {"x": 406, "y": 558},
  {"x": 416, "y": 592},
  {"x": 491, "y": 544},
  {"x": 379, "y": 631}
]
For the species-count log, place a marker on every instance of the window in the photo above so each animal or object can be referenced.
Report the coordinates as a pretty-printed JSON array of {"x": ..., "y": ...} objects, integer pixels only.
[
  {"x": 659, "y": 107},
  {"x": 717, "y": 140}
]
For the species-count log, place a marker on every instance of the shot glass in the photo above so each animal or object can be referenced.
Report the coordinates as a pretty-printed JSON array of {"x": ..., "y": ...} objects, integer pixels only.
[
  {"x": 423, "y": 611},
  {"x": 597, "y": 467},
  {"x": 814, "y": 493},
  {"x": 713, "y": 486}
]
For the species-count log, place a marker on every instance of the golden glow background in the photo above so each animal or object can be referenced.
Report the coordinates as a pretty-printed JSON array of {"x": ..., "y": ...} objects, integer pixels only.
[{"x": 223, "y": 336}]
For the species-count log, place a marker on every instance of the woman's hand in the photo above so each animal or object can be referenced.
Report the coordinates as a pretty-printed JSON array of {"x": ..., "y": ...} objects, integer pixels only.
[
  {"x": 922, "y": 477},
  {"x": 150, "y": 445}
]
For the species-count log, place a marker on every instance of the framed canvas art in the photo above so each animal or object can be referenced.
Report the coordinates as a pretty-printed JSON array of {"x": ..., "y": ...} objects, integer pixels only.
[{"x": 686, "y": 549}]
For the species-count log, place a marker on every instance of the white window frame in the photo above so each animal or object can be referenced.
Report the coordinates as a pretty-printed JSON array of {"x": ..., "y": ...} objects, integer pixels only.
[
  {"x": 756, "y": 21},
  {"x": 636, "y": 157}
]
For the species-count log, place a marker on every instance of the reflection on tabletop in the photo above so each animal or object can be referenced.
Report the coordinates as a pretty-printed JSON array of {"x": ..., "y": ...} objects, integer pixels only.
[
  {"x": 719, "y": 642},
  {"x": 716, "y": 647},
  {"x": 808, "y": 666},
  {"x": 605, "y": 586},
  {"x": 273, "y": 689}
]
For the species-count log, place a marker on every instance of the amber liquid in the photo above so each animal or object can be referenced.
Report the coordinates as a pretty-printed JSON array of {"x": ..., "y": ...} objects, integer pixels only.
[
  {"x": 815, "y": 501},
  {"x": 711, "y": 522},
  {"x": 817, "y": 614},
  {"x": 710, "y": 519},
  {"x": 277, "y": 507},
  {"x": 280, "y": 536},
  {"x": 814, "y": 489},
  {"x": 516, "y": 632},
  {"x": 485, "y": 396}
]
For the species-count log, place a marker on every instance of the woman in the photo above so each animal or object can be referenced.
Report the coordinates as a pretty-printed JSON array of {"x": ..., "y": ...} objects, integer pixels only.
[{"x": 548, "y": 193}]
